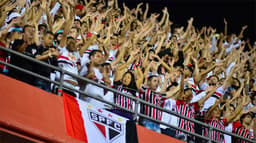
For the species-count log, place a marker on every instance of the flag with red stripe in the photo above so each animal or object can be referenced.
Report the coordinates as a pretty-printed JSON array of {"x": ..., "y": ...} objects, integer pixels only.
[{"x": 91, "y": 124}]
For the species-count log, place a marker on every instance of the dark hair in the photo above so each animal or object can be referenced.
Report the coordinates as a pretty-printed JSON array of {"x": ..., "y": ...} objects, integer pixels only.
[
  {"x": 151, "y": 77},
  {"x": 231, "y": 105},
  {"x": 49, "y": 32},
  {"x": 105, "y": 64},
  {"x": 187, "y": 89},
  {"x": 93, "y": 52},
  {"x": 173, "y": 84},
  {"x": 70, "y": 37},
  {"x": 239, "y": 84},
  {"x": 165, "y": 52},
  {"x": 203, "y": 68},
  {"x": 77, "y": 29},
  {"x": 42, "y": 25},
  {"x": 25, "y": 27},
  {"x": 132, "y": 84},
  {"x": 57, "y": 34},
  {"x": 151, "y": 50},
  {"x": 190, "y": 68},
  {"x": 244, "y": 115},
  {"x": 253, "y": 94},
  {"x": 79, "y": 21}
]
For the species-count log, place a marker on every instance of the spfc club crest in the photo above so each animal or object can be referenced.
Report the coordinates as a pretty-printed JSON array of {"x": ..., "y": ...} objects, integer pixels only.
[{"x": 110, "y": 128}]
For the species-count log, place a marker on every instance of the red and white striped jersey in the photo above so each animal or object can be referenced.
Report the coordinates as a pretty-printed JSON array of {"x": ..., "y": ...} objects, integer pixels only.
[
  {"x": 240, "y": 130},
  {"x": 188, "y": 110},
  {"x": 152, "y": 97},
  {"x": 215, "y": 135},
  {"x": 124, "y": 101}
]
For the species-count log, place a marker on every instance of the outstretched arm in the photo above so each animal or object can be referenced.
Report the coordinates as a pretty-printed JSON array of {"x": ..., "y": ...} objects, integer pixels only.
[
  {"x": 209, "y": 94},
  {"x": 209, "y": 112},
  {"x": 225, "y": 27},
  {"x": 242, "y": 32},
  {"x": 146, "y": 12},
  {"x": 180, "y": 94},
  {"x": 237, "y": 111},
  {"x": 68, "y": 23}
]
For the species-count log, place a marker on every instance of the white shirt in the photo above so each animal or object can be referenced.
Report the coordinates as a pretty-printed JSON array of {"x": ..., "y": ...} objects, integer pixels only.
[
  {"x": 170, "y": 104},
  {"x": 94, "y": 90},
  {"x": 68, "y": 62},
  {"x": 210, "y": 101},
  {"x": 228, "y": 138},
  {"x": 85, "y": 58}
]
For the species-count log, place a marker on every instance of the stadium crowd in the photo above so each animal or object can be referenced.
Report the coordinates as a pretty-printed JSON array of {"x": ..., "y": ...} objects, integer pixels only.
[{"x": 199, "y": 73}]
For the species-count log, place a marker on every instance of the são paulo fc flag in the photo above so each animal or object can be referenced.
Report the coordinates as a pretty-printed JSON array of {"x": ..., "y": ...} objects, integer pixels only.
[{"x": 90, "y": 124}]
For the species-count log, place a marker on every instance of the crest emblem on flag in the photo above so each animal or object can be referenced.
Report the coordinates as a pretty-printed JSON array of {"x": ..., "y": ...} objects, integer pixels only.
[{"x": 109, "y": 127}]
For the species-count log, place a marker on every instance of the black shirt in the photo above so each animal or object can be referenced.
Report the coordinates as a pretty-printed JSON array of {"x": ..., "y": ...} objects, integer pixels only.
[
  {"x": 30, "y": 51},
  {"x": 43, "y": 70}
]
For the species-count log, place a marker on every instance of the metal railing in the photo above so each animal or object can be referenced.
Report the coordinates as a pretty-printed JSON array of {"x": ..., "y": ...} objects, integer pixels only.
[{"x": 137, "y": 100}]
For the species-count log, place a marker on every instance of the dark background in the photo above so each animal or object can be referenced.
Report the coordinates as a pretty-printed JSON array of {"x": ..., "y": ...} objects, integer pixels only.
[{"x": 207, "y": 13}]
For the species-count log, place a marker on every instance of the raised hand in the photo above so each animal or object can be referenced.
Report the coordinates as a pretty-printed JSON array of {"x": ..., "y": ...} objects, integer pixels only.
[
  {"x": 9, "y": 6},
  {"x": 244, "y": 27},
  {"x": 225, "y": 21},
  {"x": 194, "y": 59},
  {"x": 190, "y": 21},
  {"x": 139, "y": 5},
  {"x": 165, "y": 10}
]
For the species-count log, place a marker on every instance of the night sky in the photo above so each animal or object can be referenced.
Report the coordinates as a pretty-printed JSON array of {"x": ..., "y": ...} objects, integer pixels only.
[{"x": 207, "y": 13}]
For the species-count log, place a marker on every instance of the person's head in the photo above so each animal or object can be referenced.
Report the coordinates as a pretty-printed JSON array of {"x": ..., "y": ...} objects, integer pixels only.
[
  {"x": 14, "y": 33},
  {"x": 188, "y": 70},
  {"x": 28, "y": 32},
  {"x": 231, "y": 110},
  {"x": 114, "y": 40},
  {"x": 74, "y": 32},
  {"x": 235, "y": 85},
  {"x": 79, "y": 9},
  {"x": 247, "y": 66},
  {"x": 151, "y": 52},
  {"x": 187, "y": 95},
  {"x": 77, "y": 23},
  {"x": 128, "y": 80},
  {"x": 71, "y": 44},
  {"x": 42, "y": 28},
  {"x": 203, "y": 69},
  {"x": 216, "y": 113},
  {"x": 247, "y": 118},
  {"x": 153, "y": 82},
  {"x": 84, "y": 26},
  {"x": 133, "y": 25},
  {"x": 253, "y": 98},
  {"x": 93, "y": 8},
  {"x": 167, "y": 57},
  {"x": 251, "y": 83},
  {"x": 213, "y": 80},
  {"x": 48, "y": 39},
  {"x": 165, "y": 54},
  {"x": 58, "y": 35},
  {"x": 96, "y": 57}
]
